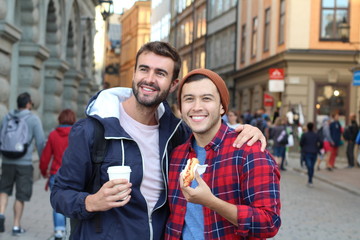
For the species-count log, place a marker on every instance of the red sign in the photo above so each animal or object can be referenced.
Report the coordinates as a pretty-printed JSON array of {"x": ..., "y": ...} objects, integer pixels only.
[
  {"x": 268, "y": 100},
  {"x": 276, "y": 73}
]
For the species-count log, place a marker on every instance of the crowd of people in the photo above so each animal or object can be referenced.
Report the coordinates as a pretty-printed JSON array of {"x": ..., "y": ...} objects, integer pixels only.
[
  {"x": 317, "y": 145},
  {"x": 238, "y": 195}
]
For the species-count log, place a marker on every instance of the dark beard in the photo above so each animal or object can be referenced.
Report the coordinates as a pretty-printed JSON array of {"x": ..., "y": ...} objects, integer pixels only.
[{"x": 151, "y": 102}]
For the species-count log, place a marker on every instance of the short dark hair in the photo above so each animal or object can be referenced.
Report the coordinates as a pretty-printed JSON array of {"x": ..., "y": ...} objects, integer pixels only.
[
  {"x": 67, "y": 116},
  {"x": 23, "y": 99},
  {"x": 162, "y": 49},
  {"x": 310, "y": 126}
]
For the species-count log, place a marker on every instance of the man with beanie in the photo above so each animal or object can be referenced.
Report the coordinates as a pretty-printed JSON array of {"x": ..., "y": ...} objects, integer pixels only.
[
  {"x": 19, "y": 171},
  {"x": 238, "y": 195}
]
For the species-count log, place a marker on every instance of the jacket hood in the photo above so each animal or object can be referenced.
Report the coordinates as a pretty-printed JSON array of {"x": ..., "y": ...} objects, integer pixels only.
[
  {"x": 63, "y": 130},
  {"x": 19, "y": 113},
  {"x": 105, "y": 104}
]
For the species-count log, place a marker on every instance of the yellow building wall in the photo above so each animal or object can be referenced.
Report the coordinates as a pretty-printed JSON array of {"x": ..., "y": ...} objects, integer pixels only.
[{"x": 135, "y": 32}]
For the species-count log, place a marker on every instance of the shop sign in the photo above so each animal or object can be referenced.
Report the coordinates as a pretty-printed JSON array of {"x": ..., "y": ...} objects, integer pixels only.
[
  {"x": 276, "y": 80},
  {"x": 268, "y": 100},
  {"x": 356, "y": 78}
]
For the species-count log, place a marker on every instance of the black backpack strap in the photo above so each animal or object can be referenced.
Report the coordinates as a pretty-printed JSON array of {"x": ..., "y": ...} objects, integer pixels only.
[
  {"x": 94, "y": 184},
  {"x": 98, "y": 155}
]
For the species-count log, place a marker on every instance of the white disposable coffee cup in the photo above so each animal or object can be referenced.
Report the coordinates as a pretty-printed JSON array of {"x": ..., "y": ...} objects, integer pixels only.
[{"x": 119, "y": 172}]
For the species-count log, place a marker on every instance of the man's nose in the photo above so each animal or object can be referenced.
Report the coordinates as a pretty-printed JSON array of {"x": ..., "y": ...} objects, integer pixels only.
[{"x": 151, "y": 77}]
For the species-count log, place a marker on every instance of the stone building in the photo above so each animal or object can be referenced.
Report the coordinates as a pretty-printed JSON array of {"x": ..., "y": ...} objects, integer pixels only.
[{"x": 47, "y": 49}]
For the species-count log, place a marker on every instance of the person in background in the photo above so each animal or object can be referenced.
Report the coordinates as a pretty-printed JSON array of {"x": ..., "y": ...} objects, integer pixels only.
[
  {"x": 20, "y": 171},
  {"x": 279, "y": 148},
  {"x": 324, "y": 132},
  {"x": 233, "y": 119},
  {"x": 310, "y": 144},
  {"x": 349, "y": 135},
  {"x": 259, "y": 121},
  {"x": 335, "y": 133},
  {"x": 51, "y": 159},
  {"x": 238, "y": 196}
]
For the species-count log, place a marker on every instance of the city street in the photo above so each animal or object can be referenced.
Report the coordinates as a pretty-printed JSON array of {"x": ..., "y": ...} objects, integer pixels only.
[
  {"x": 320, "y": 213},
  {"x": 325, "y": 212}
]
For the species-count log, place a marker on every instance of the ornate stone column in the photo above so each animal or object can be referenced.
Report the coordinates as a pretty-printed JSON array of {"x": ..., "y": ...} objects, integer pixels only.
[
  {"x": 31, "y": 59},
  {"x": 55, "y": 69},
  {"x": 9, "y": 35},
  {"x": 71, "y": 85},
  {"x": 84, "y": 96}
]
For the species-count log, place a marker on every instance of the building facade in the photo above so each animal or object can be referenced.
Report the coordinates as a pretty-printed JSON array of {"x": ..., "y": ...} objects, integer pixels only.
[
  {"x": 47, "y": 49},
  {"x": 307, "y": 47},
  {"x": 135, "y": 24},
  {"x": 188, "y": 31}
]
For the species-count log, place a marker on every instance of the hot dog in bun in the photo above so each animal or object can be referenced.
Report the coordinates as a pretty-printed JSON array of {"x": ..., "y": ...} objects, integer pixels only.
[{"x": 188, "y": 173}]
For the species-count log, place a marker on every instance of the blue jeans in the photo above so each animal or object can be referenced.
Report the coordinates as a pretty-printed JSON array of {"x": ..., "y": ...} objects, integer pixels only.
[
  {"x": 310, "y": 159},
  {"x": 59, "y": 219}
]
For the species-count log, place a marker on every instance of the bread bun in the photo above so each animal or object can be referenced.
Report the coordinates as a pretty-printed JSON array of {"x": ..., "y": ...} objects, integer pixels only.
[{"x": 189, "y": 172}]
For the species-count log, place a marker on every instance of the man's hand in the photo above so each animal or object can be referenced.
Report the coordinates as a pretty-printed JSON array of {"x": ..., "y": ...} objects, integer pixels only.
[
  {"x": 251, "y": 133},
  {"x": 200, "y": 195},
  {"x": 107, "y": 197}
]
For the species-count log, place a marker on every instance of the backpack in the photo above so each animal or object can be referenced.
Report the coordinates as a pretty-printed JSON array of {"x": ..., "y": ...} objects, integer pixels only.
[
  {"x": 14, "y": 136},
  {"x": 320, "y": 133},
  {"x": 283, "y": 138},
  {"x": 97, "y": 158}
]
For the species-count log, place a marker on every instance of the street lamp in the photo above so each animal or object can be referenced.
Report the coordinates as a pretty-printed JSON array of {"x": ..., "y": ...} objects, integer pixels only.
[
  {"x": 106, "y": 8},
  {"x": 344, "y": 30}
]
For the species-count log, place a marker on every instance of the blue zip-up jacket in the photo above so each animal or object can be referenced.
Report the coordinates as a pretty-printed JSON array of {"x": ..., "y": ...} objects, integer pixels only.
[{"x": 131, "y": 221}]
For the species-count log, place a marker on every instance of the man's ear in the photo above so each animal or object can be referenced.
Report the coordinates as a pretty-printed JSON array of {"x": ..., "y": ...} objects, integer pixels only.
[
  {"x": 222, "y": 110},
  {"x": 174, "y": 85}
]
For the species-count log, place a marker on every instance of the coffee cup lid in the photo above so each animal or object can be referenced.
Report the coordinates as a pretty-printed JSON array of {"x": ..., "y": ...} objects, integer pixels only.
[{"x": 116, "y": 169}]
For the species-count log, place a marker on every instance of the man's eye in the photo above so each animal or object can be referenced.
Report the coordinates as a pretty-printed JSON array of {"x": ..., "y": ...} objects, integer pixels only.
[{"x": 161, "y": 74}]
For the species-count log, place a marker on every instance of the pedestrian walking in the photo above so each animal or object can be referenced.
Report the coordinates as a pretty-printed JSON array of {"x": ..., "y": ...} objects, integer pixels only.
[
  {"x": 335, "y": 132},
  {"x": 279, "y": 136},
  {"x": 328, "y": 143},
  {"x": 51, "y": 159},
  {"x": 140, "y": 131},
  {"x": 310, "y": 144},
  {"x": 349, "y": 135},
  {"x": 239, "y": 186},
  {"x": 17, "y": 163}
]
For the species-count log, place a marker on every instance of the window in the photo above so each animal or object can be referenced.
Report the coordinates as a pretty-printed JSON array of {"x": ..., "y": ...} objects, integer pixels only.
[
  {"x": 254, "y": 37},
  {"x": 282, "y": 22},
  {"x": 333, "y": 12},
  {"x": 201, "y": 22},
  {"x": 267, "y": 30},
  {"x": 243, "y": 43}
]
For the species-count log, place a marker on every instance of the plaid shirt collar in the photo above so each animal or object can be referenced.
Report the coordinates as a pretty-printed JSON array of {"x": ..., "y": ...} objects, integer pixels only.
[{"x": 215, "y": 143}]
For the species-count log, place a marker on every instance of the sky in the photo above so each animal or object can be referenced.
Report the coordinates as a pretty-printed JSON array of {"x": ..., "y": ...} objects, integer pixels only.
[{"x": 120, "y": 4}]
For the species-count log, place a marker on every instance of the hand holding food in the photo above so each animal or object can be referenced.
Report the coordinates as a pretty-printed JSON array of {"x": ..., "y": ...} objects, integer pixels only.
[{"x": 188, "y": 173}]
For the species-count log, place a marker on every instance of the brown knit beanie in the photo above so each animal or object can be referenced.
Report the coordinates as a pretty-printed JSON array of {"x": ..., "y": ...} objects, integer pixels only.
[{"x": 216, "y": 79}]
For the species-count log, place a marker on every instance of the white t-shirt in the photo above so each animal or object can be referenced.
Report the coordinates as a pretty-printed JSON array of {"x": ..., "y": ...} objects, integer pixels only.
[{"x": 147, "y": 138}]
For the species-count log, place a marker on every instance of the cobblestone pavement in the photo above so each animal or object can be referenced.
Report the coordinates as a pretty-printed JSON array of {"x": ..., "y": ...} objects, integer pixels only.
[
  {"x": 329, "y": 211},
  {"x": 324, "y": 212}
]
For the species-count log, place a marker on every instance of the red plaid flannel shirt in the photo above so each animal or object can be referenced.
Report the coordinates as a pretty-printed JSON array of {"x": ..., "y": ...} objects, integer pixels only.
[{"x": 245, "y": 177}]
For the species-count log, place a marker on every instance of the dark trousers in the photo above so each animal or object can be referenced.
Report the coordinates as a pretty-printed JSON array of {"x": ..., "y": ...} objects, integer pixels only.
[
  {"x": 310, "y": 159},
  {"x": 350, "y": 153}
]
